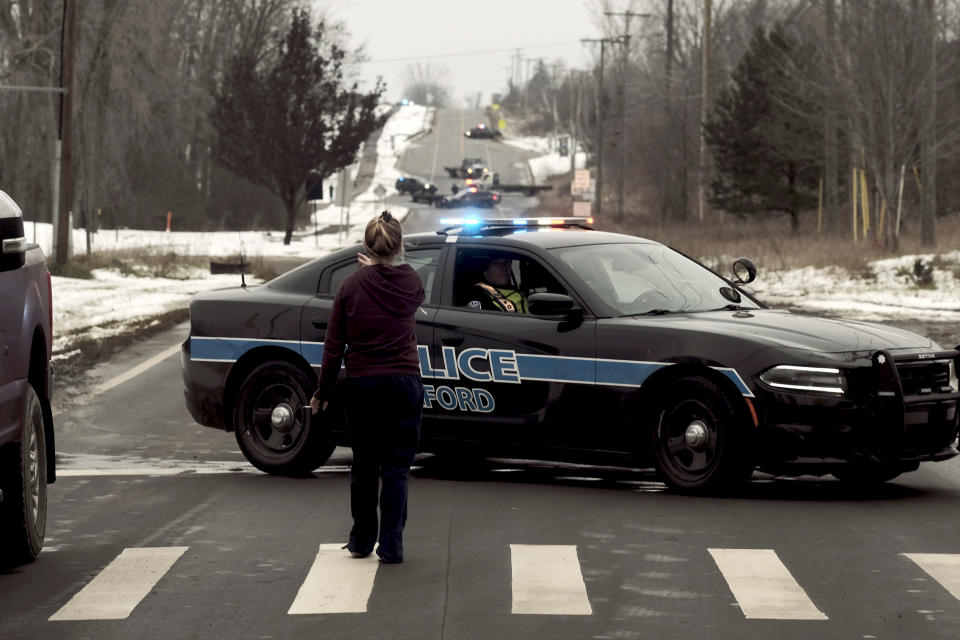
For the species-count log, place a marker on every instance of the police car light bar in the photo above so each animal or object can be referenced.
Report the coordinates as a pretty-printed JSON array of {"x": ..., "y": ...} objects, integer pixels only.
[{"x": 473, "y": 224}]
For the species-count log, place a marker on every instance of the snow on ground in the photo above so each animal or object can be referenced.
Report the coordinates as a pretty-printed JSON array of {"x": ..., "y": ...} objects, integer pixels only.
[
  {"x": 111, "y": 302},
  {"x": 893, "y": 294},
  {"x": 553, "y": 164}
]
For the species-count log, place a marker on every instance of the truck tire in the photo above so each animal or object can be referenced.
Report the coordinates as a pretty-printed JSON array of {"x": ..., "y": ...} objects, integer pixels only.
[
  {"x": 23, "y": 478},
  {"x": 698, "y": 441},
  {"x": 273, "y": 424}
]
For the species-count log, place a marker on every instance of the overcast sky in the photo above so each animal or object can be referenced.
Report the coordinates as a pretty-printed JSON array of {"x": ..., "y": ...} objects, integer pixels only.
[{"x": 473, "y": 40}]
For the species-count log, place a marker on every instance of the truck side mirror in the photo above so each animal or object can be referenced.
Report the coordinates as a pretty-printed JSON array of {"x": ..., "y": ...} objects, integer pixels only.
[
  {"x": 13, "y": 244},
  {"x": 496, "y": 178}
]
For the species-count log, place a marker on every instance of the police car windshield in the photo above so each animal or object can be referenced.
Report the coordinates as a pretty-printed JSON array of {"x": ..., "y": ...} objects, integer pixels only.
[{"x": 646, "y": 279}]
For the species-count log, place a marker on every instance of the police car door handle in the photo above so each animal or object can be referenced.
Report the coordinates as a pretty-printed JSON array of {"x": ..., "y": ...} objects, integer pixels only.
[
  {"x": 319, "y": 324},
  {"x": 452, "y": 341}
]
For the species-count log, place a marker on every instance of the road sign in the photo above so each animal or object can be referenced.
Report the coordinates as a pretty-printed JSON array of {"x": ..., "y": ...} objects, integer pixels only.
[
  {"x": 581, "y": 182},
  {"x": 581, "y": 210},
  {"x": 379, "y": 191},
  {"x": 590, "y": 192}
]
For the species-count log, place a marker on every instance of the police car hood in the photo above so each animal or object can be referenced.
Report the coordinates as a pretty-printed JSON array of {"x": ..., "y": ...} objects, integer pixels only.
[{"x": 796, "y": 331}]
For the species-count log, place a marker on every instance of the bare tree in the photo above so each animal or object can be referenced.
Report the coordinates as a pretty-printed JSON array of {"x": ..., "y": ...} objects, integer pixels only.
[{"x": 427, "y": 84}]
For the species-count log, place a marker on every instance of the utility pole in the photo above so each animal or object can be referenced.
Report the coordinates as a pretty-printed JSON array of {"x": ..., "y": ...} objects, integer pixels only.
[
  {"x": 64, "y": 140},
  {"x": 600, "y": 119},
  {"x": 704, "y": 107},
  {"x": 624, "y": 58}
]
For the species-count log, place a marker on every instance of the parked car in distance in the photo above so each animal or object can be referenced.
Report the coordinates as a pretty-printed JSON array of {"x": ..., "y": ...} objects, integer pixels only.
[
  {"x": 472, "y": 196},
  {"x": 482, "y": 131},
  {"x": 410, "y": 185}
]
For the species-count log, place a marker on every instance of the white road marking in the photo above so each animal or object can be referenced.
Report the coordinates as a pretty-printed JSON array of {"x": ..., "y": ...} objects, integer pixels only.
[
  {"x": 121, "y": 585},
  {"x": 942, "y": 567},
  {"x": 763, "y": 586},
  {"x": 336, "y": 583},
  {"x": 547, "y": 580},
  {"x": 137, "y": 370}
]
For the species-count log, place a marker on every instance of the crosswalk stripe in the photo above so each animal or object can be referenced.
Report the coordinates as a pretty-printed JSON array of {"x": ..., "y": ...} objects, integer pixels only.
[
  {"x": 763, "y": 586},
  {"x": 942, "y": 567},
  {"x": 547, "y": 580},
  {"x": 121, "y": 585},
  {"x": 336, "y": 583}
]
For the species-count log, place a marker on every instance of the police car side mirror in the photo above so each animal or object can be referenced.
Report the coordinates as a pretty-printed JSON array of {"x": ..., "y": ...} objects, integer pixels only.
[
  {"x": 13, "y": 244},
  {"x": 744, "y": 271},
  {"x": 551, "y": 304}
]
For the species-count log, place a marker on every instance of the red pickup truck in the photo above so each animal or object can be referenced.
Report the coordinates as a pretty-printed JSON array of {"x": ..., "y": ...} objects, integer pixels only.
[{"x": 26, "y": 420}]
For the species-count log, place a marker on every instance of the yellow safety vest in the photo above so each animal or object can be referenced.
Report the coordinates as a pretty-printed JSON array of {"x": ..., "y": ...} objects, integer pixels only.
[{"x": 507, "y": 299}]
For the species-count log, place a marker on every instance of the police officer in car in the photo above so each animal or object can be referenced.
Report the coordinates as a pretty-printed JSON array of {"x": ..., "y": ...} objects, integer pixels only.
[{"x": 498, "y": 291}]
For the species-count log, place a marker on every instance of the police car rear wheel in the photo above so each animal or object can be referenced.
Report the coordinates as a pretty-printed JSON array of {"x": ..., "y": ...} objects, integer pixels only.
[
  {"x": 697, "y": 440},
  {"x": 274, "y": 427}
]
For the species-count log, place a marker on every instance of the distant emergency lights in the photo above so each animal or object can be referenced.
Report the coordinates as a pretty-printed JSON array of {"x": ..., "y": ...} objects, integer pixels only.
[{"x": 520, "y": 222}]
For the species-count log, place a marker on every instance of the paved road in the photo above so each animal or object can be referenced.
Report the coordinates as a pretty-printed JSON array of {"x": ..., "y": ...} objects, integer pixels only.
[
  {"x": 159, "y": 529},
  {"x": 447, "y": 146}
]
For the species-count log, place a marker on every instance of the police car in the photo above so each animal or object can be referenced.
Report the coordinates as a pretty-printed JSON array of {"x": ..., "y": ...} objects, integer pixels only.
[{"x": 632, "y": 354}]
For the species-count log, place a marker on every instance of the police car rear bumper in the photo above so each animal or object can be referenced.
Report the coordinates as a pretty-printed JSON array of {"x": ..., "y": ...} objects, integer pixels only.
[{"x": 203, "y": 384}]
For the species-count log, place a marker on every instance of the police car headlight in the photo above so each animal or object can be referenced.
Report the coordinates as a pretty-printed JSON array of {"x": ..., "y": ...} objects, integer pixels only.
[{"x": 794, "y": 378}]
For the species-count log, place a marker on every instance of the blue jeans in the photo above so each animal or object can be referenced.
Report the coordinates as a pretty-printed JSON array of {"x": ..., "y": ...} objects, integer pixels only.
[{"x": 383, "y": 416}]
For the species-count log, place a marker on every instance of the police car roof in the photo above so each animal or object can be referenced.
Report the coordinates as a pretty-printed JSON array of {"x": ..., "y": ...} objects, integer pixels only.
[{"x": 545, "y": 237}]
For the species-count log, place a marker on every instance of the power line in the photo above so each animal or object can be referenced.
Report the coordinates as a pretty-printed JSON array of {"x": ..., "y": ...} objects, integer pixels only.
[{"x": 475, "y": 53}]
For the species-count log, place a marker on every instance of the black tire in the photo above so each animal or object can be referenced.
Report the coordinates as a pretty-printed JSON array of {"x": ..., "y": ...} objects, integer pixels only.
[
  {"x": 866, "y": 475},
  {"x": 23, "y": 477},
  {"x": 297, "y": 444},
  {"x": 698, "y": 442}
]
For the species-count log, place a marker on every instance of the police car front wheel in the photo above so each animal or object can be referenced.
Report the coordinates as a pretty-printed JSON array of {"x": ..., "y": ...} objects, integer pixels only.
[
  {"x": 274, "y": 427},
  {"x": 698, "y": 442}
]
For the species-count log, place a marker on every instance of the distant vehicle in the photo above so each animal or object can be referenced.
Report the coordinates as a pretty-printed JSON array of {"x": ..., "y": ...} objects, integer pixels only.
[
  {"x": 26, "y": 421},
  {"x": 482, "y": 131},
  {"x": 427, "y": 194},
  {"x": 470, "y": 197},
  {"x": 469, "y": 168},
  {"x": 410, "y": 185}
]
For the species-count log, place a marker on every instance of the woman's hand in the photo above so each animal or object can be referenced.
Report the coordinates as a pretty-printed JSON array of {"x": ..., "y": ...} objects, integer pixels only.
[
  {"x": 364, "y": 260},
  {"x": 315, "y": 405}
]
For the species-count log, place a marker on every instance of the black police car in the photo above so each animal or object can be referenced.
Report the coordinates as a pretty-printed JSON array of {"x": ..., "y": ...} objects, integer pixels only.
[
  {"x": 472, "y": 196},
  {"x": 482, "y": 131},
  {"x": 632, "y": 354},
  {"x": 427, "y": 193},
  {"x": 411, "y": 185}
]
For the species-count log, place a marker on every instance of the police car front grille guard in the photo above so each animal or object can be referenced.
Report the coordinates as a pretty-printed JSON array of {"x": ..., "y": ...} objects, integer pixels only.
[
  {"x": 915, "y": 378},
  {"x": 472, "y": 225}
]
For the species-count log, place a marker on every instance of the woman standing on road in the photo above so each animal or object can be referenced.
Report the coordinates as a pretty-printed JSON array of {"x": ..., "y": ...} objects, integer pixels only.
[{"x": 373, "y": 318}]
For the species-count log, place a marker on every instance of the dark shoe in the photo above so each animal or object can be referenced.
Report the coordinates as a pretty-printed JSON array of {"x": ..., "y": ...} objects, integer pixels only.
[
  {"x": 355, "y": 553},
  {"x": 389, "y": 560}
]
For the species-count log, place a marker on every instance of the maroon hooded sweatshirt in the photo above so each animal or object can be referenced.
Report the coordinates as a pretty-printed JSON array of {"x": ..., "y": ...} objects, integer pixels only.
[{"x": 373, "y": 316}]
